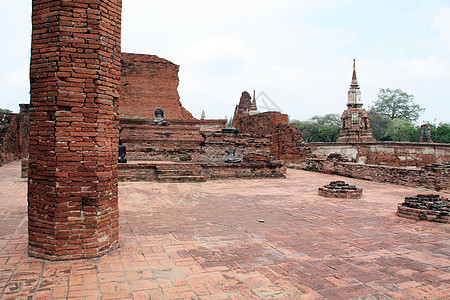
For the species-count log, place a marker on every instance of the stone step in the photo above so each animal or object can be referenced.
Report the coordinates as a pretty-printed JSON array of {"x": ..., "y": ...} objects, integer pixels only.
[
  {"x": 175, "y": 178},
  {"x": 170, "y": 172},
  {"x": 179, "y": 173}
]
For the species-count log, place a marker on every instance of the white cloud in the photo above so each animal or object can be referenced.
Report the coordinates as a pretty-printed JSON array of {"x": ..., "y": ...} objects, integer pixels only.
[
  {"x": 441, "y": 23},
  {"x": 215, "y": 47},
  {"x": 431, "y": 68},
  {"x": 15, "y": 78}
]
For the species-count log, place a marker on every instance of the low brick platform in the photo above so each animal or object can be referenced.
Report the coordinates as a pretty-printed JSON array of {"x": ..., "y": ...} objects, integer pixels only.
[
  {"x": 340, "y": 189},
  {"x": 203, "y": 240},
  {"x": 425, "y": 207},
  {"x": 168, "y": 171}
]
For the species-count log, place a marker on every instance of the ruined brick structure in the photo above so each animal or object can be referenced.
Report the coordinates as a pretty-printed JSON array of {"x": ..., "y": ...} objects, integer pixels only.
[
  {"x": 246, "y": 106},
  {"x": 395, "y": 154},
  {"x": 14, "y": 130},
  {"x": 149, "y": 82},
  {"x": 425, "y": 134},
  {"x": 340, "y": 189},
  {"x": 434, "y": 177},
  {"x": 75, "y": 80},
  {"x": 355, "y": 126},
  {"x": 286, "y": 140},
  {"x": 425, "y": 207},
  {"x": 180, "y": 159}
]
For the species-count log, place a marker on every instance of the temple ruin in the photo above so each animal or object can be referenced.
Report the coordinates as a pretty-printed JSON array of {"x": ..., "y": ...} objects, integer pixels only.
[
  {"x": 175, "y": 146},
  {"x": 87, "y": 98},
  {"x": 355, "y": 126}
]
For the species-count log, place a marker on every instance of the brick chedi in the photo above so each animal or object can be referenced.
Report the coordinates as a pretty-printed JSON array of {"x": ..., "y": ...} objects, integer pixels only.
[
  {"x": 149, "y": 82},
  {"x": 286, "y": 140},
  {"x": 355, "y": 126},
  {"x": 74, "y": 77},
  {"x": 425, "y": 134}
]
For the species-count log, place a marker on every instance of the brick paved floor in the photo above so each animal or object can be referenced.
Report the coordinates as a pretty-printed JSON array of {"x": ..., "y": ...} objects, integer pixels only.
[{"x": 207, "y": 241}]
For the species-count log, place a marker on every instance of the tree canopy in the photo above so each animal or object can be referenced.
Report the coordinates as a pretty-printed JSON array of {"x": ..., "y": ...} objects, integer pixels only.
[
  {"x": 5, "y": 111},
  {"x": 320, "y": 128},
  {"x": 397, "y": 104}
]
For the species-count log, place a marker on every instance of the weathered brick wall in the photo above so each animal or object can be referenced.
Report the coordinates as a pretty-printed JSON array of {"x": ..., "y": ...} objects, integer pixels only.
[
  {"x": 386, "y": 153},
  {"x": 262, "y": 124},
  {"x": 248, "y": 147},
  {"x": 14, "y": 130},
  {"x": 431, "y": 177},
  {"x": 152, "y": 142},
  {"x": 190, "y": 143},
  {"x": 147, "y": 171},
  {"x": 150, "y": 82},
  {"x": 74, "y": 77},
  {"x": 286, "y": 140}
]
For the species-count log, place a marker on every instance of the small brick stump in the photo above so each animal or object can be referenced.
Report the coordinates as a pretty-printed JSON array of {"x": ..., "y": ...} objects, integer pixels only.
[
  {"x": 340, "y": 189},
  {"x": 431, "y": 207}
]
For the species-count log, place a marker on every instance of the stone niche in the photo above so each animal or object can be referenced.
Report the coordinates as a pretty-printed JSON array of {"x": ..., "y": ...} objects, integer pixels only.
[
  {"x": 429, "y": 207},
  {"x": 340, "y": 189}
]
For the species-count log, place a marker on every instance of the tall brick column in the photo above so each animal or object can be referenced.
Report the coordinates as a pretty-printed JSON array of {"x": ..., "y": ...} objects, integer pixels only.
[{"x": 74, "y": 76}]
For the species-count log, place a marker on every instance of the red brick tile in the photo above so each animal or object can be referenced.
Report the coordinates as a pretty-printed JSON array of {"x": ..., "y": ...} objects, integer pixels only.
[{"x": 307, "y": 248}]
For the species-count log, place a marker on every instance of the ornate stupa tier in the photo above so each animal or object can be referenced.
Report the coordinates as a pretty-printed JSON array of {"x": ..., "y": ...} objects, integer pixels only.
[{"x": 354, "y": 93}]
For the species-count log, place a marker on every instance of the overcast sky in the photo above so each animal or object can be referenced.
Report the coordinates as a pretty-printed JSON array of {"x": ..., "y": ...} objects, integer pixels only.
[{"x": 297, "y": 52}]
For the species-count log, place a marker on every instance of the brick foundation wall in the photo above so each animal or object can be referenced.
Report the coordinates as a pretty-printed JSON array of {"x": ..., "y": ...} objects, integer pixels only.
[
  {"x": 249, "y": 147},
  {"x": 74, "y": 77},
  {"x": 147, "y": 171},
  {"x": 153, "y": 142},
  {"x": 190, "y": 143},
  {"x": 397, "y": 154},
  {"x": 149, "y": 82},
  {"x": 430, "y": 177},
  {"x": 286, "y": 140}
]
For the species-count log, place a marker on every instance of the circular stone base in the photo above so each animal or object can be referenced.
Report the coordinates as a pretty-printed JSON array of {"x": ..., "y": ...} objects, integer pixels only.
[{"x": 339, "y": 189}]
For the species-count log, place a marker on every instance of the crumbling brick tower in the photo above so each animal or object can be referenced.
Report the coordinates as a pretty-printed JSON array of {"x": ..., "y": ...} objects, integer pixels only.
[{"x": 74, "y": 77}]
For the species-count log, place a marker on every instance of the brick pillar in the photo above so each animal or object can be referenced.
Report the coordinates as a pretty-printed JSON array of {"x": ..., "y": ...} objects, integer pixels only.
[{"x": 74, "y": 76}]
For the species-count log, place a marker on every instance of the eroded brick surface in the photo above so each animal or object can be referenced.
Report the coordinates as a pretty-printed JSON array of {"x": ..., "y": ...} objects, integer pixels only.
[
  {"x": 14, "y": 130},
  {"x": 394, "y": 154},
  {"x": 74, "y": 76},
  {"x": 434, "y": 177},
  {"x": 207, "y": 240},
  {"x": 286, "y": 140},
  {"x": 149, "y": 82}
]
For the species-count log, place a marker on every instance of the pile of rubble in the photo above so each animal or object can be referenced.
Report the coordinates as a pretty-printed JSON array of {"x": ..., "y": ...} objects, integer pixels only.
[
  {"x": 425, "y": 207},
  {"x": 340, "y": 189}
]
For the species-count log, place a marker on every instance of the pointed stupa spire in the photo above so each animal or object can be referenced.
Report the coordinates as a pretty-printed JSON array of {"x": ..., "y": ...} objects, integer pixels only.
[
  {"x": 354, "y": 83},
  {"x": 203, "y": 115},
  {"x": 253, "y": 107},
  {"x": 354, "y": 93}
]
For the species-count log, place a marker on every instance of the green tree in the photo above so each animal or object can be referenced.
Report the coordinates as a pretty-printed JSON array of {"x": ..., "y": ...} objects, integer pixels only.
[
  {"x": 397, "y": 104},
  {"x": 440, "y": 133},
  {"x": 380, "y": 124},
  {"x": 5, "y": 111},
  {"x": 320, "y": 128},
  {"x": 402, "y": 131}
]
